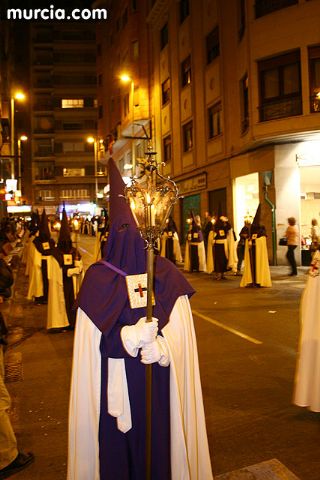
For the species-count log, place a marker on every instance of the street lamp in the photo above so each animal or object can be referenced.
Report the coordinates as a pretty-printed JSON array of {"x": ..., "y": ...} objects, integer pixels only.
[
  {"x": 125, "y": 78},
  {"x": 92, "y": 140},
  {"x": 96, "y": 145},
  {"x": 22, "y": 138},
  {"x": 20, "y": 97}
]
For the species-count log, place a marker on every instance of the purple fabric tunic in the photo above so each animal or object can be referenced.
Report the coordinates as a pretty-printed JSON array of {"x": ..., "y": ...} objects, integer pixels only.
[{"x": 103, "y": 297}]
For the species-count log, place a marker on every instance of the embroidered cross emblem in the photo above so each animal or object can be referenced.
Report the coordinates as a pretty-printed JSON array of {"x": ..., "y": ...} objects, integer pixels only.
[{"x": 140, "y": 290}]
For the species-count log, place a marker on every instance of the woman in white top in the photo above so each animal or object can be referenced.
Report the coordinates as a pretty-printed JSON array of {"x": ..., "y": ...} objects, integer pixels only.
[{"x": 292, "y": 234}]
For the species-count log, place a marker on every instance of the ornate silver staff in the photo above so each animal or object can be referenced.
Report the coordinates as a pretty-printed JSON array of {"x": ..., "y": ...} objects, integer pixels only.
[{"x": 151, "y": 198}]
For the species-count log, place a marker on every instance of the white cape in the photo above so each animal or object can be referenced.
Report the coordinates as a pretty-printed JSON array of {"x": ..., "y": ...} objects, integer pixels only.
[
  {"x": 307, "y": 378},
  {"x": 190, "y": 459},
  {"x": 263, "y": 276}
]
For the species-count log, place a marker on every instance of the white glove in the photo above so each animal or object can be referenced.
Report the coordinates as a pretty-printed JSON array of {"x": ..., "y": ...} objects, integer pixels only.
[
  {"x": 73, "y": 271},
  {"x": 156, "y": 351},
  {"x": 135, "y": 336},
  {"x": 79, "y": 264}
]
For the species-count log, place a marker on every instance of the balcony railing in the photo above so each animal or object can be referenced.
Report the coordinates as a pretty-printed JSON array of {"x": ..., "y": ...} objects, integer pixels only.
[
  {"x": 281, "y": 108},
  {"x": 263, "y": 7}
]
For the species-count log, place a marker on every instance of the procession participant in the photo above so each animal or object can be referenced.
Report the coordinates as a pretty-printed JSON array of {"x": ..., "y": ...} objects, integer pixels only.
[
  {"x": 64, "y": 274},
  {"x": 195, "y": 255},
  {"x": 170, "y": 245},
  {"x": 306, "y": 383},
  {"x": 112, "y": 345},
  {"x": 102, "y": 235},
  {"x": 27, "y": 253},
  {"x": 44, "y": 244},
  {"x": 256, "y": 264},
  {"x": 243, "y": 235},
  {"x": 36, "y": 288},
  {"x": 221, "y": 252}
]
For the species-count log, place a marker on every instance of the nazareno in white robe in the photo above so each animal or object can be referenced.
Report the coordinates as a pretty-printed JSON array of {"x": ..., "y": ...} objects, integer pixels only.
[
  {"x": 263, "y": 276},
  {"x": 307, "y": 376},
  {"x": 190, "y": 458}
]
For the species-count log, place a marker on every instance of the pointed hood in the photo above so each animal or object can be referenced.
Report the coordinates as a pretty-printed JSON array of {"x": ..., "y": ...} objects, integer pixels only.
[
  {"x": 44, "y": 232},
  {"x": 103, "y": 295},
  {"x": 64, "y": 240},
  {"x": 257, "y": 217},
  {"x": 125, "y": 247}
]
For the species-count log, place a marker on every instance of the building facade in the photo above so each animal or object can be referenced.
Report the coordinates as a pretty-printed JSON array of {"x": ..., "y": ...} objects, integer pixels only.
[
  {"x": 65, "y": 166},
  {"x": 234, "y": 103}
]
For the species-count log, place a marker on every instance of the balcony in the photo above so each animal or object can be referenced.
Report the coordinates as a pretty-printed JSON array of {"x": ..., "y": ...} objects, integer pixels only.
[
  {"x": 281, "y": 108},
  {"x": 264, "y": 7}
]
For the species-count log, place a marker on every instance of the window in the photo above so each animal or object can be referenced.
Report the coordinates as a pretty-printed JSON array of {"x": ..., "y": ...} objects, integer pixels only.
[
  {"x": 263, "y": 7},
  {"x": 187, "y": 134},
  {"x": 44, "y": 148},
  {"x": 164, "y": 36},
  {"x": 167, "y": 149},
  {"x": 100, "y": 111},
  {"x": 314, "y": 78},
  {"x": 184, "y": 10},
  {"x": 125, "y": 18},
  {"x": 280, "y": 86},
  {"x": 75, "y": 193},
  {"x": 45, "y": 195},
  {"x": 244, "y": 106},
  {"x": 73, "y": 147},
  {"x": 186, "y": 71},
  {"x": 212, "y": 45},
  {"x": 126, "y": 104},
  {"x": 214, "y": 120},
  {"x": 135, "y": 50},
  {"x": 165, "y": 88},
  {"x": 44, "y": 170},
  {"x": 241, "y": 18},
  {"x": 72, "y": 102}
]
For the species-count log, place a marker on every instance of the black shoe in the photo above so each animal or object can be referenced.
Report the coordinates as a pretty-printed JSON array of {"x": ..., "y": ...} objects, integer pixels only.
[
  {"x": 21, "y": 461},
  {"x": 293, "y": 274}
]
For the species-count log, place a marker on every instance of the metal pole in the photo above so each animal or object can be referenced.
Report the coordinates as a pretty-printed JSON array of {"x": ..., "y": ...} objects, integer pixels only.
[
  {"x": 19, "y": 164},
  {"x": 95, "y": 169},
  {"x": 133, "y": 150},
  {"x": 274, "y": 236},
  {"x": 150, "y": 273},
  {"x": 12, "y": 149}
]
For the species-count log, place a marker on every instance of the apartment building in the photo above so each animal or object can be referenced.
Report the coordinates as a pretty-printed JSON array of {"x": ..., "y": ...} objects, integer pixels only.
[
  {"x": 233, "y": 92},
  {"x": 65, "y": 166}
]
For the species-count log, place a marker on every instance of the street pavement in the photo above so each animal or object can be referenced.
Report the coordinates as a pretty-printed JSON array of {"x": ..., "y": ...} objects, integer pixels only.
[{"x": 247, "y": 343}]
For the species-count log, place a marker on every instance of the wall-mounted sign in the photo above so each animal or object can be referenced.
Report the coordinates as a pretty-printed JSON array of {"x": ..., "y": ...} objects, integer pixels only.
[{"x": 192, "y": 184}]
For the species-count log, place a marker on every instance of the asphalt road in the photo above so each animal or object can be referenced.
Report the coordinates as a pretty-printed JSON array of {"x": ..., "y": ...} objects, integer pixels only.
[{"x": 247, "y": 342}]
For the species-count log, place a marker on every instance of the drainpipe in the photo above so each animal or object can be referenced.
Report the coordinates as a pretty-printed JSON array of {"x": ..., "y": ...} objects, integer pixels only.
[{"x": 274, "y": 236}]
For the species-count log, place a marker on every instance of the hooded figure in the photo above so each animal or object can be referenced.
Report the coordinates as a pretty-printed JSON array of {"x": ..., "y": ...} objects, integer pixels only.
[
  {"x": 221, "y": 250},
  {"x": 256, "y": 264},
  {"x": 112, "y": 345},
  {"x": 102, "y": 235},
  {"x": 170, "y": 245},
  {"x": 306, "y": 384},
  {"x": 39, "y": 249},
  {"x": 32, "y": 229},
  {"x": 195, "y": 256},
  {"x": 64, "y": 274}
]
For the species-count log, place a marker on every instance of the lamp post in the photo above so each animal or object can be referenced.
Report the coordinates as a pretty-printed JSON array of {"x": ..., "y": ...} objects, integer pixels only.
[
  {"x": 95, "y": 147},
  {"x": 151, "y": 200},
  {"x": 20, "y": 97},
  {"x": 125, "y": 78},
  {"x": 22, "y": 138}
]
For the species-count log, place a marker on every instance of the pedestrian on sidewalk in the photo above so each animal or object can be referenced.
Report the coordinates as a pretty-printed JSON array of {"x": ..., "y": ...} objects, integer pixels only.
[
  {"x": 292, "y": 234},
  {"x": 11, "y": 459},
  {"x": 113, "y": 344}
]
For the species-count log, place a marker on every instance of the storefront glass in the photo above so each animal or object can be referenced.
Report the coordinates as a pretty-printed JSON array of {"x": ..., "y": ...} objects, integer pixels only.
[{"x": 246, "y": 199}]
